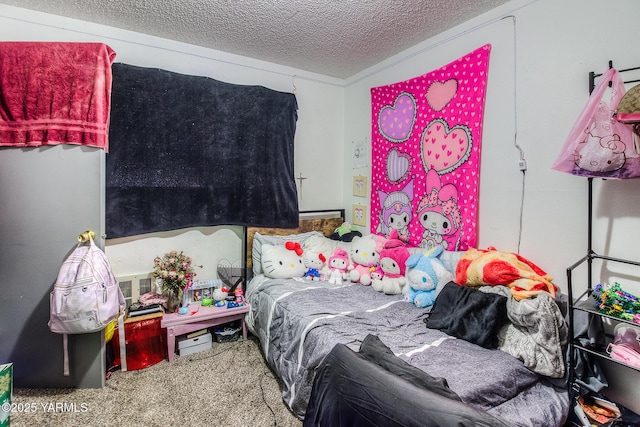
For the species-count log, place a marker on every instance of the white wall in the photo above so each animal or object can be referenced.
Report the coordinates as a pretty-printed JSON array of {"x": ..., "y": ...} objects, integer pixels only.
[
  {"x": 557, "y": 43},
  {"x": 318, "y": 140}
]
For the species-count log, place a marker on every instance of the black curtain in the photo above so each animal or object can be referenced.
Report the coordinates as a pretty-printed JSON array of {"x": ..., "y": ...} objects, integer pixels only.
[{"x": 187, "y": 151}]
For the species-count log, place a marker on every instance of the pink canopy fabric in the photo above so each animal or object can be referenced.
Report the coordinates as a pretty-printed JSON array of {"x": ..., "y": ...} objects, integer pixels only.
[{"x": 55, "y": 93}]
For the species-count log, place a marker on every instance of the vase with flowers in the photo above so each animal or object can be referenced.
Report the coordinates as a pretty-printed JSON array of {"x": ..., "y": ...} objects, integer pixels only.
[{"x": 175, "y": 272}]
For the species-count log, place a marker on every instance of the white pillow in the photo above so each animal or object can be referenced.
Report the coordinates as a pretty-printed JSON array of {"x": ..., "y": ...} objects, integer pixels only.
[
  {"x": 278, "y": 262},
  {"x": 260, "y": 239},
  {"x": 324, "y": 245},
  {"x": 449, "y": 258}
]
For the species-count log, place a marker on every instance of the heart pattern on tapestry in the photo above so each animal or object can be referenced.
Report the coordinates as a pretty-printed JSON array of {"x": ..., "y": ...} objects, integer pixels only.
[
  {"x": 398, "y": 165},
  {"x": 396, "y": 121},
  {"x": 444, "y": 149},
  {"x": 445, "y": 108},
  {"x": 440, "y": 93}
]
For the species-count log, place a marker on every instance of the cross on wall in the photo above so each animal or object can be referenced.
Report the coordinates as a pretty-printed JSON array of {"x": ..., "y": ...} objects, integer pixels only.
[{"x": 301, "y": 178}]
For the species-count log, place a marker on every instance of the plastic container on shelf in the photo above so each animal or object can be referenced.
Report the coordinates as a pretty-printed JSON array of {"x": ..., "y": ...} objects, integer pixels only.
[{"x": 227, "y": 332}]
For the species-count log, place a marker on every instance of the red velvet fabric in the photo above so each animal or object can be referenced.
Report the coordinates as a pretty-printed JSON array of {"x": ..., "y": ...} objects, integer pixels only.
[{"x": 55, "y": 93}]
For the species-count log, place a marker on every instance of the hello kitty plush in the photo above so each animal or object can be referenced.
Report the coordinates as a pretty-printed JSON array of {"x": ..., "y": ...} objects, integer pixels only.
[
  {"x": 338, "y": 263},
  {"x": 313, "y": 262},
  {"x": 365, "y": 255},
  {"x": 392, "y": 261},
  {"x": 282, "y": 261},
  {"x": 426, "y": 275}
]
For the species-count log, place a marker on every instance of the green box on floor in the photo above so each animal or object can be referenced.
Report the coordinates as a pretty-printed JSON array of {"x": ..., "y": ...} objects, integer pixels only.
[{"x": 6, "y": 390}]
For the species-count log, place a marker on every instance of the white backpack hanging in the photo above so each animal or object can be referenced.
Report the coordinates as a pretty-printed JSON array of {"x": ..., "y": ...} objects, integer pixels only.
[{"x": 86, "y": 296}]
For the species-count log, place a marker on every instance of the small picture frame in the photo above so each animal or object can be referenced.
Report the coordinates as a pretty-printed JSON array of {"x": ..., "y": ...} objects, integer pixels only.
[
  {"x": 360, "y": 186},
  {"x": 359, "y": 215}
]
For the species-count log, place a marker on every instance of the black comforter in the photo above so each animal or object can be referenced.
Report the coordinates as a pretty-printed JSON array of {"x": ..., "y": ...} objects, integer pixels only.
[{"x": 373, "y": 387}]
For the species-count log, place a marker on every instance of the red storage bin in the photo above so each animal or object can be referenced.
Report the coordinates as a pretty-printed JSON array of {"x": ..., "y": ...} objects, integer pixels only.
[{"x": 145, "y": 342}]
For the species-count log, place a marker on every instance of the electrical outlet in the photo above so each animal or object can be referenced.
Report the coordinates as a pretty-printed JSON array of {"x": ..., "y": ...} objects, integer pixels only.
[{"x": 522, "y": 165}]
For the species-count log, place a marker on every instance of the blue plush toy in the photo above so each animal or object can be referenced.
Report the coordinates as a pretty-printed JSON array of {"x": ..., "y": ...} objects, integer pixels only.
[{"x": 425, "y": 275}]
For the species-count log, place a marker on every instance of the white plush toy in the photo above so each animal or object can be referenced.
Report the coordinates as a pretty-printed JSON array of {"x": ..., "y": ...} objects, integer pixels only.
[
  {"x": 338, "y": 263},
  {"x": 314, "y": 263},
  {"x": 282, "y": 262},
  {"x": 220, "y": 296},
  {"x": 365, "y": 255},
  {"x": 392, "y": 261}
]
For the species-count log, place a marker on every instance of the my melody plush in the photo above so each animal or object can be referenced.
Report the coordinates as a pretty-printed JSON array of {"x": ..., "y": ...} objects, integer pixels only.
[
  {"x": 314, "y": 263},
  {"x": 365, "y": 256},
  {"x": 426, "y": 274},
  {"x": 392, "y": 261},
  {"x": 282, "y": 261},
  {"x": 338, "y": 263},
  {"x": 377, "y": 274}
]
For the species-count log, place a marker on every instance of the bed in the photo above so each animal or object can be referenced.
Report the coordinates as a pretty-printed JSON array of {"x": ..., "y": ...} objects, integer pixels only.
[{"x": 307, "y": 329}]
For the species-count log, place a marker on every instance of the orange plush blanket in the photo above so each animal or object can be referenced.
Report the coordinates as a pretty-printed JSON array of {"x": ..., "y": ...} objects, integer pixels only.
[{"x": 489, "y": 266}]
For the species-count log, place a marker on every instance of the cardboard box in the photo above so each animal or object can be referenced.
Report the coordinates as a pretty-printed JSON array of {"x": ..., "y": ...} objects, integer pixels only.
[
  {"x": 6, "y": 391},
  {"x": 188, "y": 346}
]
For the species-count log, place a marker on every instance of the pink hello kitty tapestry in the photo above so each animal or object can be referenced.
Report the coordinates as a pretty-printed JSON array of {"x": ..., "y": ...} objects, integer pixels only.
[{"x": 425, "y": 149}]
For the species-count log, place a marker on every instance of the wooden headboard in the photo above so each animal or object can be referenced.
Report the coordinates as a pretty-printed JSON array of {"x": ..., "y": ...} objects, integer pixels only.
[{"x": 324, "y": 221}]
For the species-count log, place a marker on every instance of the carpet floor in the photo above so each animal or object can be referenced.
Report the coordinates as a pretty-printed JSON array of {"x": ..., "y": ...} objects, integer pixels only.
[{"x": 227, "y": 385}]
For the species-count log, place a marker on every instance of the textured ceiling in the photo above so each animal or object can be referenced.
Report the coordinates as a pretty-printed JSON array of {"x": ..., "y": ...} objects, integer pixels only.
[{"x": 338, "y": 38}]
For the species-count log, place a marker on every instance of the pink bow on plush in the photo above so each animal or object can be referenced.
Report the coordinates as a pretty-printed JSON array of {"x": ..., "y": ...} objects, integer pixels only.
[{"x": 294, "y": 246}]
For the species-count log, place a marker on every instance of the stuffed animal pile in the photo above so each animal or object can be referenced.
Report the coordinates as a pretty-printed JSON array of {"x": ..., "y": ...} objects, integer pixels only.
[
  {"x": 426, "y": 275},
  {"x": 385, "y": 264}
]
